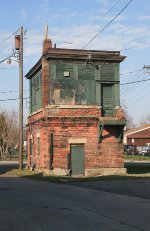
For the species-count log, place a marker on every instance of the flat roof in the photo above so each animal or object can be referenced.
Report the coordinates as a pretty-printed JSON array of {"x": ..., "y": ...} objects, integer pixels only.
[{"x": 76, "y": 55}]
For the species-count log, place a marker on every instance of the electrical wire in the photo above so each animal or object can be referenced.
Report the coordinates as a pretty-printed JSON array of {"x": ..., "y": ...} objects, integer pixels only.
[
  {"x": 107, "y": 24},
  {"x": 12, "y": 55},
  {"x": 139, "y": 99},
  {"x": 130, "y": 72},
  {"x": 3, "y": 100},
  {"x": 139, "y": 81},
  {"x": 128, "y": 88},
  {"x": 138, "y": 84},
  {"x": 129, "y": 48},
  {"x": 3, "y": 92},
  {"x": 142, "y": 89},
  {"x": 98, "y": 20},
  {"x": 136, "y": 99},
  {"x": 8, "y": 37}
]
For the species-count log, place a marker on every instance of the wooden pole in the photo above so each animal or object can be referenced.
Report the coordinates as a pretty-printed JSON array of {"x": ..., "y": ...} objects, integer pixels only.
[{"x": 21, "y": 100}]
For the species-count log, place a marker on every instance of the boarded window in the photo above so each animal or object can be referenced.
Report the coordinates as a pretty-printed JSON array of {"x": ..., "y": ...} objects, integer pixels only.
[
  {"x": 108, "y": 99},
  {"x": 85, "y": 92},
  {"x": 86, "y": 72},
  {"x": 64, "y": 96},
  {"x": 36, "y": 93},
  {"x": 107, "y": 72},
  {"x": 64, "y": 68}
]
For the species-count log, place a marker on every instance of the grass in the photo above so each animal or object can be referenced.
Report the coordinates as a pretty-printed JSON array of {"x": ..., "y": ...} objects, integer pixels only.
[
  {"x": 137, "y": 157},
  {"x": 133, "y": 172}
]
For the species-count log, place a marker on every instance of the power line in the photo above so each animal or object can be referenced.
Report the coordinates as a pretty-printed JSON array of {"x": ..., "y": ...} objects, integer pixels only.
[
  {"x": 130, "y": 72},
  {"x": 3, "y": 92},
  {"x": 8, "y": 37},
  {"x": 3, "y": 100},
  {"x": 139, "y": 99},
  {"x": 139, "y": 81},
  {"x": 14, "y": 67},
  {"x": 128, "y": 88},
  {"x": 12, "y": 55},
  {"x": 107, "y": 24},
  {"x": 129, "y": 48},
  {"x": 132, "y": 92},
  {"x": 137, "y": 96},
  {"x": 98, "y": 20},
  {"x": 133, "y": 78}
]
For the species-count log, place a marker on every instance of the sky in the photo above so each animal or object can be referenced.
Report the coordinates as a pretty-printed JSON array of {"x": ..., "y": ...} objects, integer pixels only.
[{"x": 73, "y": 24}]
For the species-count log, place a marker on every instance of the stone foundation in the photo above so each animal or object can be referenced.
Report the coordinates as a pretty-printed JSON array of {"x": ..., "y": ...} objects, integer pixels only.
[{"x": 105, "y": 172}]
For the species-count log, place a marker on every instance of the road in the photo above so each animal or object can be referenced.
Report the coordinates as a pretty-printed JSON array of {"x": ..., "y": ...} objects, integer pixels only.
[
  {"x": 28, "y": 205},
  {"x": 7, "y": 166}
]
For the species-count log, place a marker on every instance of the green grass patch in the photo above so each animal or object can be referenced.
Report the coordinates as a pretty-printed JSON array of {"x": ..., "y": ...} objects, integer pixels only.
[
  {"x": 19, "y": 173},
  {"x": 137, "y": 157},
  {"x": 132, "y": 173},
  {"x": 134, "y": 170}
]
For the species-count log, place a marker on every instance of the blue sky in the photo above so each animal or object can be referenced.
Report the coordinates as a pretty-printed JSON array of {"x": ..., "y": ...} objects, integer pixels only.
[{"x": 72, "y": 24}]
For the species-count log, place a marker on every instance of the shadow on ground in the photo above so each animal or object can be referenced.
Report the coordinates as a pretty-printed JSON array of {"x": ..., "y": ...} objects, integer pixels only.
[
  {"x": 137, "y": 168},
  {"x": 7, "y": 166}
]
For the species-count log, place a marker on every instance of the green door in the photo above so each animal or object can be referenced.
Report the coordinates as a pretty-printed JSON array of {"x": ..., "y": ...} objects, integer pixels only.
[
  {"x": 108, "y": 100},
  {"x": 77, "y": 159}
]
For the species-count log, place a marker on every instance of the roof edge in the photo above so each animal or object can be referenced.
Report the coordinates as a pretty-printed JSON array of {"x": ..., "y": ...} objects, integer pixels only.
[{"x": 61, "y": 53}]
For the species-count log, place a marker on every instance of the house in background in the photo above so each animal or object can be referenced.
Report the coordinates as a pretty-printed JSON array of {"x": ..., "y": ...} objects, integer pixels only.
[
  {"x": 76, "y": 123},
  {"x": 139, "y": 136}
]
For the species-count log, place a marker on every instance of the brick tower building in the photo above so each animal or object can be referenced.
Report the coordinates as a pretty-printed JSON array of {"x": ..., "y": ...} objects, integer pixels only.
[{"x": 76, "y": 123}]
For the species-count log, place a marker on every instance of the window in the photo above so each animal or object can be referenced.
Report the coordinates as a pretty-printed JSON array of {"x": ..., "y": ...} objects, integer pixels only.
[
  {"x": 36, "y": 92},
  {"x": 38, "y": 143},
  {"x": 30, "y": 147},
  {"x": 64, "y": 70},
  {"x": 107, "y": 91}
]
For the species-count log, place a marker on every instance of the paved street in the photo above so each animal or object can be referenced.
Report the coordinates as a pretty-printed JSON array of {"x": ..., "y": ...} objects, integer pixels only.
[
  {"x": 7, "y": 166},
  {"x": 42, "y": 206}
]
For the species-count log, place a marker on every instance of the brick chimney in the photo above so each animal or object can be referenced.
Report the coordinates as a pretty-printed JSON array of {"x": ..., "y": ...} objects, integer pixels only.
[{"x": 47, "y": 43}]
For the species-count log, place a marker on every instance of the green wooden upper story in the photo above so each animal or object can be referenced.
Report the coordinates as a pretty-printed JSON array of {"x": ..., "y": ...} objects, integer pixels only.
[
  {"x": 78, "y": 83},
  {"x": 36, "y": 92}
]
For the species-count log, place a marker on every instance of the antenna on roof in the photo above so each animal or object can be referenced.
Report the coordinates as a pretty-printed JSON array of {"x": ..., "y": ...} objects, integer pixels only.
[{"x": 45, "y": 31}]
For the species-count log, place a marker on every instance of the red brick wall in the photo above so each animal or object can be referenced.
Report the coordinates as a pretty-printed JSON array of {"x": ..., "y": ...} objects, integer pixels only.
[
  {"x": 138, "y": 141},
  {"x": 119, "y": 113},
  {"x": 73, "y": 112},
  {"x": 47, "y": 44},
  {"x": 45, "y": 83},
  {"x": 109, "y": 153}
]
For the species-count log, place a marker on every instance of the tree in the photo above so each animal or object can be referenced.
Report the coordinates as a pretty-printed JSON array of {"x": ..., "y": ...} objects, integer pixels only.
[
  {"x": 3, "y": 132},
  {"x": 130, "y": 121},
  {"x": 145, "y": 119},
  {"x": 9, "y": 131}
]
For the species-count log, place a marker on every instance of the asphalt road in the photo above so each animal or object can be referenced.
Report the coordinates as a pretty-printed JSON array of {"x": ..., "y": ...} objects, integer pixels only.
[
  {"x": 7, "y": 166},
  {"x": 27, "y": 205}
]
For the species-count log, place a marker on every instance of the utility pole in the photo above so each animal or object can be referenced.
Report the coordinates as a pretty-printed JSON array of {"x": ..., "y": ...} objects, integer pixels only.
[{"x": 21, "y": 100}]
